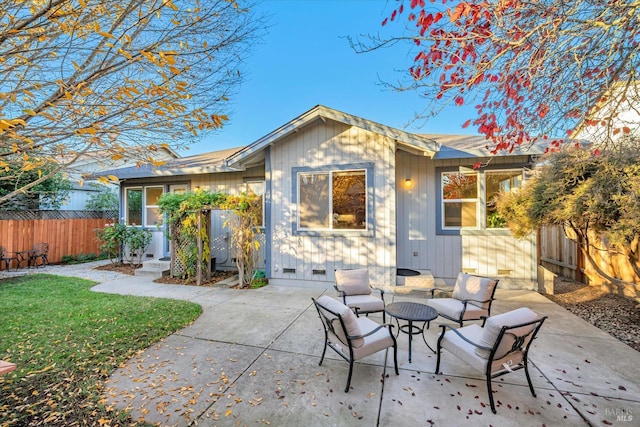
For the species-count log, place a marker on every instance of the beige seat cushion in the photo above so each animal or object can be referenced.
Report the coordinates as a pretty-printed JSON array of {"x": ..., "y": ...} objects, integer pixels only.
[
  {"x": 452, "y": 308},
  {"x": 494, "y": 324},
  {"x": 348, "y": 317},
  {"x": 373, "y": 343},
  {"x": 469, "y": 287},
  {"x": 365, "y": 303},
  {"x": 353, "y": 282},
  {"x": 467, "y": 352}
]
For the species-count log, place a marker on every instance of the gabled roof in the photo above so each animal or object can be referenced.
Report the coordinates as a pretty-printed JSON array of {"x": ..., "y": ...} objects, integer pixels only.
[
  {"x": 411, "y": 142},
  {"x": 466, "y": 146},
  {"x": 211, "y": 162}
]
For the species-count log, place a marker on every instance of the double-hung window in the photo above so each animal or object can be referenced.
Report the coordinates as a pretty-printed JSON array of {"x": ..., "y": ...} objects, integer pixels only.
[{"x": 333, "y": 199}]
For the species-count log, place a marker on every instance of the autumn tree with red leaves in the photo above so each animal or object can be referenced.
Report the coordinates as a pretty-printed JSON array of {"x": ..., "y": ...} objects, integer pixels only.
[
  {"x": 533, "y": 69},
  {"x": 113, "y": 79}
]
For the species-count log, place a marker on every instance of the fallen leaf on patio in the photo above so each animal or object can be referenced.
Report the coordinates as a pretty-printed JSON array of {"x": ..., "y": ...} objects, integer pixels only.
[
  {"x": 229, "y": 412},
  {"x": 622, "y": 388},
  {"x": 370, "y": 395},
  {"x": 233, "y": 360},
  {"x": 252, "y": 373}
]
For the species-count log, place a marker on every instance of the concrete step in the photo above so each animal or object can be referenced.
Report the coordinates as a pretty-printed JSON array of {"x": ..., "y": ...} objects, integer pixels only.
[{"x": 154, "y": 268}]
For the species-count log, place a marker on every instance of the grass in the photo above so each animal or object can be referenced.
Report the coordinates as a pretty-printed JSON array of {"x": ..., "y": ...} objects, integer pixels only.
[{"x": 66, "y": 341}]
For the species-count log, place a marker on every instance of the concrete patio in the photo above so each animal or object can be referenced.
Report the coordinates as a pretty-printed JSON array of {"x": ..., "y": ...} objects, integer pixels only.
[{"x": 252, "y": 358}]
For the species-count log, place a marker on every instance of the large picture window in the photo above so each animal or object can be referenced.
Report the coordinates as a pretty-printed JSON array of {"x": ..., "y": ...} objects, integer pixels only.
[{"x": 332, "y": 200}]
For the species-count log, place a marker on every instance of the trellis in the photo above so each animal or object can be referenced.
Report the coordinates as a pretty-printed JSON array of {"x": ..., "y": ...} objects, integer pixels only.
[{"x": 177, "y": 268}]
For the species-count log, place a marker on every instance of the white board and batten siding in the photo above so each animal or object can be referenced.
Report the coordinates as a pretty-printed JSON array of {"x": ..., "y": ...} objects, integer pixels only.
[
  {"x": 491, "y": 253},
  {"x": 294, "y": 257}
]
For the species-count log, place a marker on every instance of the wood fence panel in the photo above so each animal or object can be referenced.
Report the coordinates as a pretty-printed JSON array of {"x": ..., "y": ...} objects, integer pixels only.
[{"x": 65, "y": 236}]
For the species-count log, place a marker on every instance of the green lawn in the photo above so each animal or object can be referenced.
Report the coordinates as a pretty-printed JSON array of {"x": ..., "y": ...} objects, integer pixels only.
[{"x": 66, "y": 341}]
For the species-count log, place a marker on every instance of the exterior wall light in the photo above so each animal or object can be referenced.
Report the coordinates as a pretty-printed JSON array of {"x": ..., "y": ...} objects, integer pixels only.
[{"x": 408, "y": 183}]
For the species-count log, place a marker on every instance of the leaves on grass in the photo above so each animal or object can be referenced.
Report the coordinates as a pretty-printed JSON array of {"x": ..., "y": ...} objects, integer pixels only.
[{"x": 67, "y": 341}]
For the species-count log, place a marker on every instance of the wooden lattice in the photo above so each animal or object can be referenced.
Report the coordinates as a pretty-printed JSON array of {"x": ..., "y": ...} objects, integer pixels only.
[{"x": 178, "y": 269}]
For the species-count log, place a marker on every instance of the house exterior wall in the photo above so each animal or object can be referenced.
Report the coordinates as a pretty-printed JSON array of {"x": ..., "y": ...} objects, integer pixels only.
[
  {"x": 320, "y": 145},
  {"x": 231, "y": 183},
  {"x": 487, "y": 252}
]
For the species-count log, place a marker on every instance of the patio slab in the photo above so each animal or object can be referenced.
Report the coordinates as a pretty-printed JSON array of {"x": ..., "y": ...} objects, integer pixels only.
[{"x": 268, "y": 343}]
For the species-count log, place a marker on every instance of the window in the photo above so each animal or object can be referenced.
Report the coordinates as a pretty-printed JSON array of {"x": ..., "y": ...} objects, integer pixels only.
[
  {"x": 152, "y": 194},
  {"x": 496, "y": 182},
  {"x": 459, "y": 199},
  {"x": 257, "y": 188},
  {"x": 133, "y": 206},
  {"x": 332, "y": 200},
  {"x": 141, "y": 205},
  {"x": 468, "y": 198}
]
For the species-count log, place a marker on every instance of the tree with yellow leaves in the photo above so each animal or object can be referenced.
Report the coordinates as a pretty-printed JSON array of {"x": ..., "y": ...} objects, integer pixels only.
[{"x": 119, "y": 78}]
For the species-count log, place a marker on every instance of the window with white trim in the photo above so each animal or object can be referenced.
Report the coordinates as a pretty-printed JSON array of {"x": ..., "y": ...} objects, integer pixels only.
[
  {"x": 152, "y": 210},
  {"x": 133, "y": 205},
  {"x": 141, "y": 205},
  {"x": 459, "y": 199},
  {"x": 332, "y": 200},
  {"x": 504, "y": 181},
  {"x": 468, "y": 198}
]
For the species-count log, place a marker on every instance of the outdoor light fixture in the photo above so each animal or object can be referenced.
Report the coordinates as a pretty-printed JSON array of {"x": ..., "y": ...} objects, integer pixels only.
[{"x": 408, "y": 183}]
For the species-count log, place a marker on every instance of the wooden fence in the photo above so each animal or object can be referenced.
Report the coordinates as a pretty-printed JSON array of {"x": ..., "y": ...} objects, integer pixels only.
[
  {"x": 561, "y": 255},
  {"x": 65, "y": 236}
]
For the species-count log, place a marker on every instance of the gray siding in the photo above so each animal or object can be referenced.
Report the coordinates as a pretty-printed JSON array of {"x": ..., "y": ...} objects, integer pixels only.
[
  {"x": 493, "y": 253},
  {"x": 322, "y": 144}
]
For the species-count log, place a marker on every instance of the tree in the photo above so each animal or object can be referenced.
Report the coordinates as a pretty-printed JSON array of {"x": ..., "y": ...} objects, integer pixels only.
[
  {"x": 244, "y": 220},
  {"x": 51, "y": 192},
  {"x": 105, "y": 199},
  {"x": 587, "y": 192},
  {"x": 534, "y": 70},
  {"x": 126, "y": 78}
]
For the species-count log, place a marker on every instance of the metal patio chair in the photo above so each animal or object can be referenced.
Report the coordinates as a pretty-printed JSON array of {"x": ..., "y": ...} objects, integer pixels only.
[
  {"x": 352, "y": 337},
  {"x": 497, "y": 348},
  {"x": 471, "y": 299}
]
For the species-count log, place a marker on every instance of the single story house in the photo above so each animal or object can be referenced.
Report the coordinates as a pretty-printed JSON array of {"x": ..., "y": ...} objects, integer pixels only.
[{"x": 341, "y": 192}]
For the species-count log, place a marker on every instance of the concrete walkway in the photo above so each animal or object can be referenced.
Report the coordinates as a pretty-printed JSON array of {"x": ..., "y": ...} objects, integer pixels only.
[{"x": 252, "y": 358}]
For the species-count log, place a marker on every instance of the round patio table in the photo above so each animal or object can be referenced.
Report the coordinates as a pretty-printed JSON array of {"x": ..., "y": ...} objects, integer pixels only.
[{"x": 412, "y": 312}]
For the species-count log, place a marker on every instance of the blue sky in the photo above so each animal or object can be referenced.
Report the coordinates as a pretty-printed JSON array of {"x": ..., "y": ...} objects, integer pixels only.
[{"x": 305, "y": 60}]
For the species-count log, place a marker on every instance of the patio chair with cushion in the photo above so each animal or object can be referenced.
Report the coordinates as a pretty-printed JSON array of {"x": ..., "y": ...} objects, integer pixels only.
[
  {"x": 352, "y": 337},
  {"x": 356, "y": 292},
  {"x": 499, "y": 347},
  {"x": 471, "y": 299}
]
